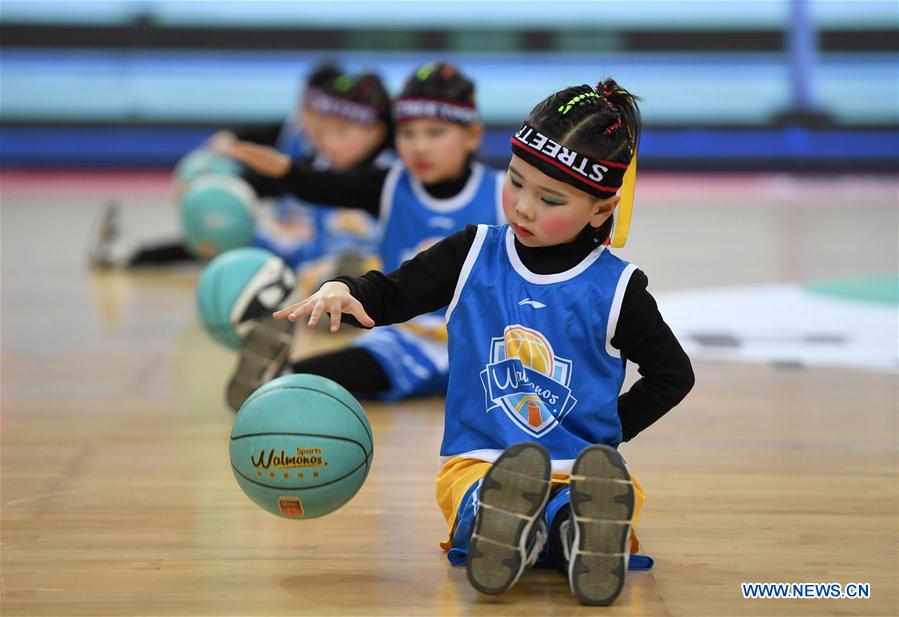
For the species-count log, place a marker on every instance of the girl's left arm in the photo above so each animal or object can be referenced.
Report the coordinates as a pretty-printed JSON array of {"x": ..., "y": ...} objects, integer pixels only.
[{"x": 644, "y": 338}]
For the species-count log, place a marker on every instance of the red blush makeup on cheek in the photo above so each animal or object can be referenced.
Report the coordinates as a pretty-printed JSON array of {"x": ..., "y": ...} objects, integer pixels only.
[
  {"x": 508, "y": 203},
  {"x": 558, "y": 225}
]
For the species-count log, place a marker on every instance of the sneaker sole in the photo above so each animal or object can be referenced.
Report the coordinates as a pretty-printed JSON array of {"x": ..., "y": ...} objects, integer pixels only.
[
  {"x": 602, "y": 504},
  {"x": 264, "y": 354},
  {"x": 512, "y": 497}
]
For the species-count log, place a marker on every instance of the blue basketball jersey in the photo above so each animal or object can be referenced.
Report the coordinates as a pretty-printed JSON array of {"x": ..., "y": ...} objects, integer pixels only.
[
  {"x": 413, "y": 354},
  {"x": 412, "y": 220},
  {"x": 530, "y": 356}
]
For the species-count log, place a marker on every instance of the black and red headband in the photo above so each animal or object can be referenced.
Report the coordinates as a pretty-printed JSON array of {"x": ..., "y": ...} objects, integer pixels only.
[
  {"x": 415, "y": 108},
  {"x": 596, "y": 177},
  {"x": 330, "y": 105},
  {"x": 593, "y": 176}
]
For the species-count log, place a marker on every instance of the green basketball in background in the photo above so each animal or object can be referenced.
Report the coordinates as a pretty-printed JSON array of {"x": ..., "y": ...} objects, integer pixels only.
[
  {"x": 217, "y": 214},
  {"x": 301, "y": 446},
  {"x": 204, "y": 162},
  {"x": 238, "y": 287}
]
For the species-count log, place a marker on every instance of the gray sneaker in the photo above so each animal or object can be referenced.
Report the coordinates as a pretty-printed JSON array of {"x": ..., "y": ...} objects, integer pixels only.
[
  {"x": 508, "y": 531},
  {"x": 602, "y": 505},
  {"x": 262, "y": 358}
]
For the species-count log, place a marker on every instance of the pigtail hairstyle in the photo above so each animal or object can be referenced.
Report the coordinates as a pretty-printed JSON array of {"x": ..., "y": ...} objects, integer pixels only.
[{"x": 628, "y": 112}]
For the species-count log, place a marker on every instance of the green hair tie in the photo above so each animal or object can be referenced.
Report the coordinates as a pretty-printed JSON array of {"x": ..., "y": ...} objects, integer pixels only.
[
  {"x": 424, "y": 71},
  {"x": 343, "y": 83},
  {"x": 564, "y": 109}
]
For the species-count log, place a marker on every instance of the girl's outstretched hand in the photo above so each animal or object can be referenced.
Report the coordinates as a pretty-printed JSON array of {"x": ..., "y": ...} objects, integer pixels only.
[
  {"x": 333, "y": 298},
  {"x": 261, "y": 159}
]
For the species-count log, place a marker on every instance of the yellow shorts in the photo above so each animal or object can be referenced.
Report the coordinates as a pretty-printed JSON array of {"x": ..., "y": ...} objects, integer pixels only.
[{"x": 458, "y": 474}]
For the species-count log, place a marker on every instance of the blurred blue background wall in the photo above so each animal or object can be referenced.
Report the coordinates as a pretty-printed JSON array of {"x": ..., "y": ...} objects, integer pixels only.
[{"x": 799, "y": 84}]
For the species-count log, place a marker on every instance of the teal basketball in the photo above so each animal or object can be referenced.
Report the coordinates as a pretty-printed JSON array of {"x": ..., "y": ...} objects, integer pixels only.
[
  {"x": 217, "y": 215},
  {"x": 238, "y": 287},
  {"x": 301, "y": 446},
  {"x": 203, "y": 162}
]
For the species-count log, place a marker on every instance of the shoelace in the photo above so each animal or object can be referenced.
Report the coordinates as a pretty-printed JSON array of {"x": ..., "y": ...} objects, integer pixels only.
[
  {"x": 540, "y": 536},
  {"x": 566, "y": 540}
]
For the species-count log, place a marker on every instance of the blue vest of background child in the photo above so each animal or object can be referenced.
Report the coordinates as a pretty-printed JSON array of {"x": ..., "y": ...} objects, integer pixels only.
[
  {"x": 412, "y": 220},
  {"x": 530, "y": 355},
  {"x": 414, "y": 355}
]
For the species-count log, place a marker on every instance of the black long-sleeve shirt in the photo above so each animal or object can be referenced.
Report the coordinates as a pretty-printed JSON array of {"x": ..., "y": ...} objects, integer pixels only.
[
  {"x": 427, "y": 283},
  {"x": 358, "y": 188},
  {"x": 262, "y": 134}
]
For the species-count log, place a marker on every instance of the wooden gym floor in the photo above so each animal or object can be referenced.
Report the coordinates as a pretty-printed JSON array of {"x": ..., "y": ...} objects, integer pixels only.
[{"x": 117, "y": 497}]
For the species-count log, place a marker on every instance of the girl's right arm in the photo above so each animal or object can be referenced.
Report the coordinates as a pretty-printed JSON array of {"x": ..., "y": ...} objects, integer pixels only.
[
  {"x": 358, "y": 189},
  {"x": 420, "y": 285}
]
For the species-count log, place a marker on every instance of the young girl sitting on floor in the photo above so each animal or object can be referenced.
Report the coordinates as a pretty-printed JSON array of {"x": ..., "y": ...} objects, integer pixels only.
[{"x": 542, "y": 318}]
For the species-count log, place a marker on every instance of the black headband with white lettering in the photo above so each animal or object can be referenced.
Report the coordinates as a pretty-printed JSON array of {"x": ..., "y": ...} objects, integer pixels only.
[
  {"x": 417, "y": 108},
  {"x": 596, "y": 177},
  {"x": 329, "y": 105}
]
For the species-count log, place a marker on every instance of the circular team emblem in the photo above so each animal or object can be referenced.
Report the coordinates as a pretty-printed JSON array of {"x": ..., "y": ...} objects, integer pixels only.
[{"x": 527, "y": 380}]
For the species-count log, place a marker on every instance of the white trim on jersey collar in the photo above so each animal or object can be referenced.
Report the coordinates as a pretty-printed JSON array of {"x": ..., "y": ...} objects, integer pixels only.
[
  {"x": 455, "y": 202},
  {"x": 547, "y": 279}
]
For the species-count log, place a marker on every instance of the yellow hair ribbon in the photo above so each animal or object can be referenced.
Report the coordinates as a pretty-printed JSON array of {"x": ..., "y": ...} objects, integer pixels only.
[{"x": 626, "y": 204}]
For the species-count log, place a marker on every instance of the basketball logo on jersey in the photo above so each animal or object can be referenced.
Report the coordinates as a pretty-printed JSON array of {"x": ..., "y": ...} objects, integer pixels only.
[{"x": 527, "y": 380}]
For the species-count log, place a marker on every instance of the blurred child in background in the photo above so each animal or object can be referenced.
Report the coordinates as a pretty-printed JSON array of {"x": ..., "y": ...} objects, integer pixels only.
[
  {"x": 435, "y": 189},
  {"x": 343, "y": 123}
]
